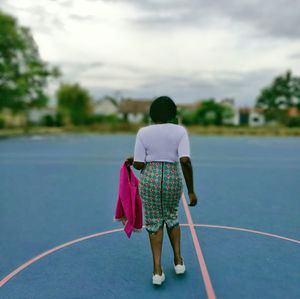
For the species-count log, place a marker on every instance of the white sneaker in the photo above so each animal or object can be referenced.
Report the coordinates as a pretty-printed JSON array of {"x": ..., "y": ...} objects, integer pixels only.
[
  {"x": 179, "y": 269},
  {"x": 158, "y": 279}
]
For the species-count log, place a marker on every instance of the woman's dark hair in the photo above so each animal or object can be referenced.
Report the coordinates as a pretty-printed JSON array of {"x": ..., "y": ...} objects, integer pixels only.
[{"x": 163, "y": 110}]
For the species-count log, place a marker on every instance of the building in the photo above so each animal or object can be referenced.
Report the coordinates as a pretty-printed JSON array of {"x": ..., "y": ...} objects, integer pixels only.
[
  {"x": 105, "y": 106},
  {"x": 37, "y": 115},
  {"x": 231, "y": 116},
  {"x": 11, "y": 119},
  {"x": 256, "y": 118},
  {"x": 188, "y": 106},
  {"x": 293, "y": 112},
  {"x": 252, "y": 117},
  {"x": 134, "y": 111}
]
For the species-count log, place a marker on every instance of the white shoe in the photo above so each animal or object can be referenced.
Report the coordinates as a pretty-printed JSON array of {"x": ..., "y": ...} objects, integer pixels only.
[
  {"x": 158, "y": 279},
  {"x": 179, "y": 269}
]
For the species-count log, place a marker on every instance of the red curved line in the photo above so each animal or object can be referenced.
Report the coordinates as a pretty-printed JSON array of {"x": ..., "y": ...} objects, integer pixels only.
[
  {"x": 31, "y": 261},
  {"x": 249, "y": 231},
  {"x": 25, "y": 265}
]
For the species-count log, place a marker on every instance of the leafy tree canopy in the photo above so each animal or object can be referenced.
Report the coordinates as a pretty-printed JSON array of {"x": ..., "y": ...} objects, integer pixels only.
[
  {"x": 74, "y": 103},
  {"x": 282, "y": 93},
  {"x": 211, "y": 112},
  {"x": 23, "y": 74}
]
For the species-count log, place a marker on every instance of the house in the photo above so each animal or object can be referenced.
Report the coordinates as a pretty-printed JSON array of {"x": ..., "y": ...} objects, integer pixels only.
[
  {"x": 105, "y": 106},
  {"x": 256, "y": 118},
  {"x": 293, "y": 112},
  {"x": 231, "y": 116},
  {"x": 34, "y": 116},
  {"x": 188, "y": 106},
  {"x": 244, "y": 113},
  {"x": 37, "y": 115},
  {"x": 253, "y": 117},
  {"x": 134, "y": 111},
  {"x": 11, "y": 119}
]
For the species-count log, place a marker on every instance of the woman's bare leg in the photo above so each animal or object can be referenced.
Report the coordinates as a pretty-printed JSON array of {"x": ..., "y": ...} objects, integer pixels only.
[
  {"x": 174, "y": 236},
  {"x": 156, "y": 241}
]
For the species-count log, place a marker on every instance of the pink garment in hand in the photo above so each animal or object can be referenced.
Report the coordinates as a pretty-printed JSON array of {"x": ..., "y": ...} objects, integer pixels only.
[{"x": 129, "y": 204}]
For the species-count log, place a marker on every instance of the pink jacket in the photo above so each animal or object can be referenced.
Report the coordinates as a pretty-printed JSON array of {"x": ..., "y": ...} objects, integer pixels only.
[{"x": 129, "y": 204}]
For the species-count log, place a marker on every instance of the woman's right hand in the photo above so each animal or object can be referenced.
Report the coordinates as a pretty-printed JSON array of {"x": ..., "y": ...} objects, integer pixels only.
[
  {"x": 193, "y": 199},
  {"x": 129, "y": 161}
]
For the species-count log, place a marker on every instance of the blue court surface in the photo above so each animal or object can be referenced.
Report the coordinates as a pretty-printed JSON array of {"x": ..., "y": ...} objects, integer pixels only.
[{"x": 58, "y": 239}]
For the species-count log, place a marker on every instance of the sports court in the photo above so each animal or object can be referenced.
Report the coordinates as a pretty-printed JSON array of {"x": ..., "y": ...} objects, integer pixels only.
[{"x": 58, "y": 239}]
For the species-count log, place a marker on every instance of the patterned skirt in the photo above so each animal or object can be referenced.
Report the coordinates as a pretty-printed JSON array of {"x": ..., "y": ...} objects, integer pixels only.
[{"x": 160, "y": 189}]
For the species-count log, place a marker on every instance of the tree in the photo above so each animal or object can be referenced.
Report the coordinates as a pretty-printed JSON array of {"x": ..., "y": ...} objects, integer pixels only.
[
  {"x": 187, "y": 116},
  {"x": 281, "y": 94},
  {"x": 211, "y": 113},
  {"x": 23, "y": 74},
  {"x": 74, "y": 103}
]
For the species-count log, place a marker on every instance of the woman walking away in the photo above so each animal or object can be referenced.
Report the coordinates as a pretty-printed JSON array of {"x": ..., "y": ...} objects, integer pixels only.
[{"x": 158, "y": 149}]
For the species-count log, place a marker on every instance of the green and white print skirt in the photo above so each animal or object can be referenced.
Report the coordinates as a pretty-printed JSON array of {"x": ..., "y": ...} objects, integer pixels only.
[{"x": 160, "y": 189}]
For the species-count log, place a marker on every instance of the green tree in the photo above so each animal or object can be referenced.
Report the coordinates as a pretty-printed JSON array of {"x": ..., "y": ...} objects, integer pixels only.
[
  {"x": 23, "y": 74},
  {"x": 187, "y": 116},
  {"x": 74, "y": 103},
  {"x": 211, "y": 113},
  {"x": 281, "y": 94}
]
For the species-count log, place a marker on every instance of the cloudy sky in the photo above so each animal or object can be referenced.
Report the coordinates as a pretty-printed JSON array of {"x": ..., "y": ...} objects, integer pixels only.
[{"x": 189, "y": 50}]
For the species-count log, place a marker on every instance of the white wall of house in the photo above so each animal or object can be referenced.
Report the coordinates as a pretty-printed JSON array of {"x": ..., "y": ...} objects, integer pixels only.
[
  {"x": 135, "y": 117},
  {"x": 36, "y": 115},
  {"x": 105, "y": 107},
  {"x": 236, "y": 117},
  {"x": 233, "y": 120},
  {"x": 256, "y": 119}
]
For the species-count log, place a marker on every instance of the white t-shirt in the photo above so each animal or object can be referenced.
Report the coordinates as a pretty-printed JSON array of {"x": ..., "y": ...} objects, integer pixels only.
[{"x": 161, "y": 142}]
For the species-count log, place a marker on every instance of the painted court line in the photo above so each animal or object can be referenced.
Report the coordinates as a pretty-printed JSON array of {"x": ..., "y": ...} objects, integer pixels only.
[
  {"x": 249, "y": 231},
  {"x": 207, "y": 282},
  {"x": 44, "y": 254},
  {"x": 38, "y": 257}
]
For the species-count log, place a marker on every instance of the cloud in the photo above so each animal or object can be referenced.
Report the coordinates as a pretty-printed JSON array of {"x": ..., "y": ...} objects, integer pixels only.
[
  {"x": 77, "y": 17},
  {"x": 35, "y": 16},
  {"x": 188, "y": 49},
  {"x": 277, "y": 18},
  {"x": 244, "y": 87},
  {"x": 76, "y": 69},
  {"x": 295, "y": 56},
  {"x": 66, "y": 3}
]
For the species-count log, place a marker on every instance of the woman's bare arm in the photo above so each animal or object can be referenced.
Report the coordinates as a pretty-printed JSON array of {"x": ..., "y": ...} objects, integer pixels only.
[
  {"x": 136, "y": 165},
  {"x": 187, "y": 169}
]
